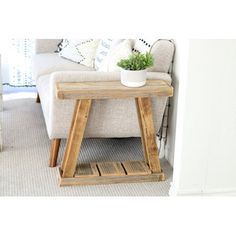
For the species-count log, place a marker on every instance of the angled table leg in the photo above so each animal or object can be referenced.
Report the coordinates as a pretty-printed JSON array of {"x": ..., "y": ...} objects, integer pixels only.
[
  {"x": 76, "y": 134},
  {"x": 54, "y": 152},
  {"x": 148, "y": 135},
  {"x": 69, "y": 139},
  {"x": 142, "y": 131}
]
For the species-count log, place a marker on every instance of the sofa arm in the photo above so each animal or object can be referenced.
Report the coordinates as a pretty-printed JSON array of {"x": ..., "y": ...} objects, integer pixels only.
[
  {"x": 46, "y": 45},
  {"x": 80, "y": 76}
]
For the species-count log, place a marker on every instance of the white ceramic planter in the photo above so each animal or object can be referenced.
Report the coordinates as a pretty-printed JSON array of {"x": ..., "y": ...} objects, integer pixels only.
[{"x": 133, "y": 78}]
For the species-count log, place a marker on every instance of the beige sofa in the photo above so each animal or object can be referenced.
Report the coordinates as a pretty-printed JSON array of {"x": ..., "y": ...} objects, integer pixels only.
[
  {"x": 1, "y": 105},
  {"x": 119, "y": 115}
]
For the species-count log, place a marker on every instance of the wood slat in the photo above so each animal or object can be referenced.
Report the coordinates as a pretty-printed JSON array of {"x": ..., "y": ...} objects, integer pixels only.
[
  {"x": 110, "y": 169},
  {"x": 86, "y": 170},
  {"x": 111, "y": 90},
  {"x": 154, "y": 177},
  {"x": 136, "y": 168}
]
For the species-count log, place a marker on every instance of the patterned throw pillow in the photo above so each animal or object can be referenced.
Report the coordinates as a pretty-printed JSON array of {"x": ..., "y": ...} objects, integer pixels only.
[
  {"x": 104, "y": 49},
  {"x": 81, "y": 51},
  {"x": 143, "y": 45}
]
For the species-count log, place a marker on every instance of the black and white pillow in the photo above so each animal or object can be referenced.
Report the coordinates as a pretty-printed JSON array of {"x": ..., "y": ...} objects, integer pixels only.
[
  {"x": 81, "y": 51},
  {"x": 143, "y": 45}
]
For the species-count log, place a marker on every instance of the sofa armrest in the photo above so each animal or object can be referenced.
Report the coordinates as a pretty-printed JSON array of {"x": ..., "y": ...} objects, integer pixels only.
[
  {"x": 80, "y": 76},
  {"x": 46, "y": 45}
]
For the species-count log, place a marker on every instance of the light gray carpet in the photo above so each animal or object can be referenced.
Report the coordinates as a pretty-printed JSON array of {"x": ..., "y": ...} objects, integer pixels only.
[{"x": 24, "y": 167}]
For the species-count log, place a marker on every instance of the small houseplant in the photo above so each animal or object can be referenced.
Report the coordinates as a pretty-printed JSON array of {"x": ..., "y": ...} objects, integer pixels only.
[{"x": 134, "y": 69}]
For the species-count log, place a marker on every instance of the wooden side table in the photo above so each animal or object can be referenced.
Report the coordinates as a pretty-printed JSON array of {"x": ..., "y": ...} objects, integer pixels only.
[{"x": 111, "y": 172}]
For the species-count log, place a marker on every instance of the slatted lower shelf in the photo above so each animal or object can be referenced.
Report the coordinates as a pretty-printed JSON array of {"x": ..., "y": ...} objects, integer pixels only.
[{"x": 111, "y": 173}]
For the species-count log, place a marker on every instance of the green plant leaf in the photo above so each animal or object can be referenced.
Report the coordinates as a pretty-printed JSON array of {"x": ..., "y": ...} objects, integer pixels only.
[{"x": 137, "y": 61}]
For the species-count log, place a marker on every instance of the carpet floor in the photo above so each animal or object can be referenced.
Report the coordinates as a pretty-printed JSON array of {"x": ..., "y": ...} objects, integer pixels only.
[{"x": 24, "y": 161}]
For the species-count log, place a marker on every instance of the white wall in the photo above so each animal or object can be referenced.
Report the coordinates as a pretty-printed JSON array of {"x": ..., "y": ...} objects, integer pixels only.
[
  {"x": 178, "y": 76},
  {"x": 205, "y": 150}
]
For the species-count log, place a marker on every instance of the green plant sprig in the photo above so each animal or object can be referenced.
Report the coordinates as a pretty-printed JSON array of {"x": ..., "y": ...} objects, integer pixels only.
[{"x": 137, "y": 61}]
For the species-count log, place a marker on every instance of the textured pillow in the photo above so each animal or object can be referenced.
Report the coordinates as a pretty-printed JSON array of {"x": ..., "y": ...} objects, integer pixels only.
[
  {"x": 143, "y": 45},
  {"x": 103, "y": 51},
  {"x": 81, "y": 51},
  {"x": 120, "y": 51}
]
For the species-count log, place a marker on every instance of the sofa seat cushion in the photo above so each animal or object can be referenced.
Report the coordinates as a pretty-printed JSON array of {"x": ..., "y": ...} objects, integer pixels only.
[{"x": 46, "y": 63}]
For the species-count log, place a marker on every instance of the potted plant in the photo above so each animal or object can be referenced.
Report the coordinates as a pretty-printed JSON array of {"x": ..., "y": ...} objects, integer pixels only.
[{"x": 134, "y": 69}]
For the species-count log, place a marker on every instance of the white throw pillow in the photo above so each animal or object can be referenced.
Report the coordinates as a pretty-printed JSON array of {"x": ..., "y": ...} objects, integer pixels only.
[
  {"x": 121, "y": 51},
  {"x": 143, "y": 45},
  {"x": 81, "y": 51},
  {"x": 103, "y": 52}
]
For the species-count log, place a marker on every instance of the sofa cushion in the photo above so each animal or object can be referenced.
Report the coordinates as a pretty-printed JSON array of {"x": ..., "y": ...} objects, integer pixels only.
[
  {"x": 46, "y": 45},
  {"x": 121, "y": 51},
  {"x": 103, "y": 51},
  {"x": 81, "y": 51},
  {"x": 143, "y": 45},
  {"x": 46, "y": 63}
]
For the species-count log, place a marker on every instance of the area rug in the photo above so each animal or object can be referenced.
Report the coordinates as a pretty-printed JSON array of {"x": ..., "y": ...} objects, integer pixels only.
[{"x": 24, "y": 161}]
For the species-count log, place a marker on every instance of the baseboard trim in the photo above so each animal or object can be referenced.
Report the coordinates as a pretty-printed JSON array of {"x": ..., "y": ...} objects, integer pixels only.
[{"x": 200, "y": 192}]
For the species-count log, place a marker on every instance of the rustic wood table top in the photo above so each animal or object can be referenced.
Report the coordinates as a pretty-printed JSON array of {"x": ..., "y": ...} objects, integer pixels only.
[{"x": 111, "y": 89}]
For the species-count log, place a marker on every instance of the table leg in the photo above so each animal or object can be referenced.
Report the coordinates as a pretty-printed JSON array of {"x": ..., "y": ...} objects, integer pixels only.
[
  {"x": 54, "y": 152},
  {"x": 142, "y": 131},
  {"x": 148, "y": 134},
  {"x": 75, "y": 138},
  {"x": 77, "y": 104},
  {"x": 37, "y": 98}
]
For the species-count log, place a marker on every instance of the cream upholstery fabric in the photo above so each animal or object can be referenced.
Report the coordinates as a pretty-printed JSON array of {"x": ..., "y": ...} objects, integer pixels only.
[
  {"x": 162, "y": 51},
  {"x": 46, "y": 45},
  {"x": 46, "y": 63},
  {"x": 108, "y": 118}
]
